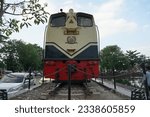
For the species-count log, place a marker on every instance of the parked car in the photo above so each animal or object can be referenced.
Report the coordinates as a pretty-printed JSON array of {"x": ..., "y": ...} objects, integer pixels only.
[
  {"x": 7, "y": 71},
  {"x": 15, "y": 82}
]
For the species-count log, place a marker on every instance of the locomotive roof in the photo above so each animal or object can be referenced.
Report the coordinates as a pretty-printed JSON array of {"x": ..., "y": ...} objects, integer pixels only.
[{"x": 71, "y": 11}]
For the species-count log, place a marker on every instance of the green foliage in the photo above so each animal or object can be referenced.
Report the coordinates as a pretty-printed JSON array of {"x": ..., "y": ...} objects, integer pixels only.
[
  {"x": 19, "y": 56},
  {"x": 112, "y": 58},
  {"x": 148, "y": 61},
  {"x": 133, "y": 57},
  {"x": 21, "y": 15},
  {"x": 16, "y": 55},
  {"x": 10, "y": 57},
  {"x": 30, "y": 56}
]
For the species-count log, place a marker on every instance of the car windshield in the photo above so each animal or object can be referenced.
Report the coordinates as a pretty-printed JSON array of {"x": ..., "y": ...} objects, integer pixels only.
[{"x": 10, "y": 78}]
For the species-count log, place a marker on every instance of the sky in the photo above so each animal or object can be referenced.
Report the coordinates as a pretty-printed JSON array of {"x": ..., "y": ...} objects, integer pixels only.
[{"x": 125, "y": 23}]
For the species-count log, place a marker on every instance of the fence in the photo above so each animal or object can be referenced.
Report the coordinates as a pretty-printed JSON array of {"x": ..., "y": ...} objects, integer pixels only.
[
  {"x": 124, "y": 78},
  {"x": 132, "y": 81}
]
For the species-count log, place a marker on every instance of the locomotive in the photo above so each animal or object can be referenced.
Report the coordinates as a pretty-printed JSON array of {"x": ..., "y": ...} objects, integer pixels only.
[{"x": 71, "y": 38}]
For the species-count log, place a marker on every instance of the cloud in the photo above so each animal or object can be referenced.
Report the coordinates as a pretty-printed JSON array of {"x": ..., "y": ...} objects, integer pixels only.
[
  {"x": 107, "y": 14},
  {"x": 116, "y": 26},
  {"x": 109, "y": 20},
  {"x": 111, "y": 6},
  {"x": 68, "y": 2},
  {"x": 146, "y": 27}
]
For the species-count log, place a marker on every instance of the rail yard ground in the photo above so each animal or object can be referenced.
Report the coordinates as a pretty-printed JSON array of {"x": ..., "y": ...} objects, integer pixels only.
[{"x": 98, "y": 92}]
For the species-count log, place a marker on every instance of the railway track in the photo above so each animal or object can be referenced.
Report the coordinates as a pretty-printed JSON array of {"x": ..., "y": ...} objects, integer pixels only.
[
  {"x": 91, "y": 91},
  {"x": 78, "y": 91}
]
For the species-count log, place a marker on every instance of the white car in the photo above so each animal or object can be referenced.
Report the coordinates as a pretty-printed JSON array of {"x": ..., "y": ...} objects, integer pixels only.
[{"x": 15, "y": 82}]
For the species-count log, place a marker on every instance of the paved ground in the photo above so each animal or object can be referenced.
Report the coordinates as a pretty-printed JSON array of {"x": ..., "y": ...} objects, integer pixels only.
[{"x": 124, "y": 90}]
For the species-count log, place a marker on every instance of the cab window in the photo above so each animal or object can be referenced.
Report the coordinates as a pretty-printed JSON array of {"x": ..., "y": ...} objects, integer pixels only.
[
  {"x": 58, "y": 20},
  {"x": 84, "y": 20}
]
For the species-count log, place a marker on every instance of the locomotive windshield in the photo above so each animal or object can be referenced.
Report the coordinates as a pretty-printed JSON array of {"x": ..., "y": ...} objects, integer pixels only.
[
  {"x": 84, "y": 20},
  {"x": 58, "y": 20}
]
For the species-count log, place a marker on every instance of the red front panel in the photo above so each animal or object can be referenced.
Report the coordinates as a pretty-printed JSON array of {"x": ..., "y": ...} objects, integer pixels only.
[{"x": 81, "y": 70}]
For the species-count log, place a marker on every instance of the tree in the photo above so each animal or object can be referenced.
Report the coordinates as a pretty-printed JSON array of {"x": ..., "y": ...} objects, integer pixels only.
[
  {"x": 148, "y": 60},
  {"x": 30, "y": 56},
  {"x": 133, "y": 57},
  {"x": 112, "y": 58},
  {"x": 19, "y": 56},
  {"x": 10, "y": 55},
  {"x": 13, "y": 17},
  {"x": 27, "y": 11}
]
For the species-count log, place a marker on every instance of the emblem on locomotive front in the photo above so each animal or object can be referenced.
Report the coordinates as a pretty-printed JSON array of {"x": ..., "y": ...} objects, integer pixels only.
[{"x": 71, "y": 40}]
